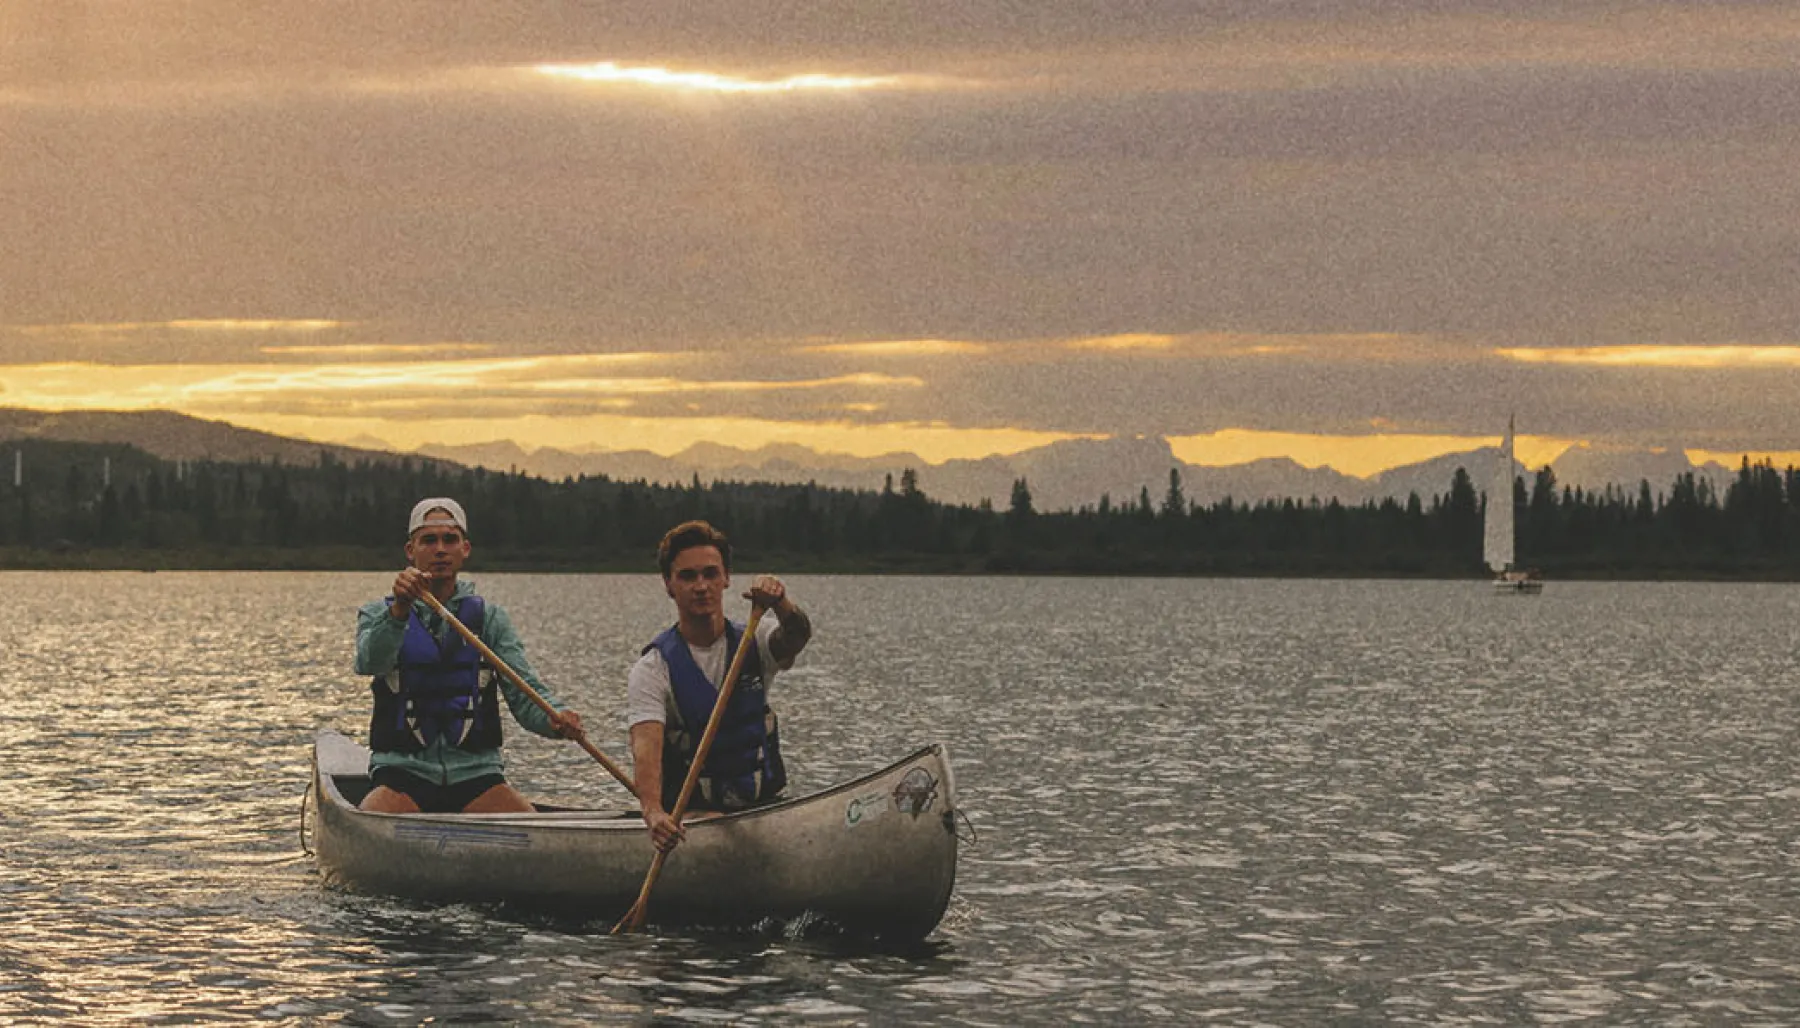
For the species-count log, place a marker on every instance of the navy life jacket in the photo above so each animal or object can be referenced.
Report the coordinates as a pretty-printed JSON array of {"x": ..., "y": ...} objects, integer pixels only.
[
  {"x": 743, "y": 767},
  {"x": 436, "y": 691}
]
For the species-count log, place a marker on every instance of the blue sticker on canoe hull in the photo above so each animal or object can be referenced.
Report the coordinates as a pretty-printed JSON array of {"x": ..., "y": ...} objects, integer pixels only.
[{"x": 445, "y": 836}]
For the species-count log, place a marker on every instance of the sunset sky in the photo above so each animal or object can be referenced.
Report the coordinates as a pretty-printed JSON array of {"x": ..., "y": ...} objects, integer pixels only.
[{"x": 1354, "y": 234}]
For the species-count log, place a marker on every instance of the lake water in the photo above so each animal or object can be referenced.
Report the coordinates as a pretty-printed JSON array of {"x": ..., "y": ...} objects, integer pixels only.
[{"x": 1217, "y": 801}]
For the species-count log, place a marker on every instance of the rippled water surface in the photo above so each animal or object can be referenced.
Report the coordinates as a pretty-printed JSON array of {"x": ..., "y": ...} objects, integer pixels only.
[{"x": 1230, "y": 802}]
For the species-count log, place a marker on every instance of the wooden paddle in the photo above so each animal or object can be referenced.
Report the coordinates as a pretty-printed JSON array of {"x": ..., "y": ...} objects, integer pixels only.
[
  {"x": 634, "y": 918},
  {"x": 525, "y": 687}
]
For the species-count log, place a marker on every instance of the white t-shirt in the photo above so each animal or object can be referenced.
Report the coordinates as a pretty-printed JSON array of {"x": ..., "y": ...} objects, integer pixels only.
[{"x": 650, "y": 697}]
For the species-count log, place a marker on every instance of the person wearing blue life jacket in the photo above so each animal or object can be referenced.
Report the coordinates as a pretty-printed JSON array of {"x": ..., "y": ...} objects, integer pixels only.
[
  {"x": 434, "y": 735},
  {"x": 674, "y": 685}
]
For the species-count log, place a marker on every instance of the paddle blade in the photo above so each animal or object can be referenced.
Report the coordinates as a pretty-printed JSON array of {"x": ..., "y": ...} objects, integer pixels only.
[
  {"x": 634, "y": 918},
  {"x": 631, "y": 922}
]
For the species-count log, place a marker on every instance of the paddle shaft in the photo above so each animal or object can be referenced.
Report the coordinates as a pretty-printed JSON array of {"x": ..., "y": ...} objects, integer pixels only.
[
  {"x": 634, "y": 918},
  {"x": 525, "y": 687}
]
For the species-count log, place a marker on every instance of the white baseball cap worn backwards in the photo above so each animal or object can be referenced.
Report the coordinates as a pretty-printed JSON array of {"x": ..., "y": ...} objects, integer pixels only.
[{"x": 445, "y": 505}]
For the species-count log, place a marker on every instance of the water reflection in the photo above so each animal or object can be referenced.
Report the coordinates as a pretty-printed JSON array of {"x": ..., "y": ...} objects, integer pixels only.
[
  {"x": 1239, "y": 802},
  {"x": 501, "y": 964}
]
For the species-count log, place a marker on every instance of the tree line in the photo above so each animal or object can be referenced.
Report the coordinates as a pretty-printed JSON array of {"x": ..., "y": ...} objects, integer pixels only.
[{"x": 114, "y": 505}]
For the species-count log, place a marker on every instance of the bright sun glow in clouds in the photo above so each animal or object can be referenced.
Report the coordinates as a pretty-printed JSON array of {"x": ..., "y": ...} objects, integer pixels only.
[{"x": 701, "y": 81}]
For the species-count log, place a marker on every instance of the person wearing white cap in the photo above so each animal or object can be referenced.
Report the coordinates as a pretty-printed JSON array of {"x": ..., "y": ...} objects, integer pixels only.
[{"x": 434, "y": 736}]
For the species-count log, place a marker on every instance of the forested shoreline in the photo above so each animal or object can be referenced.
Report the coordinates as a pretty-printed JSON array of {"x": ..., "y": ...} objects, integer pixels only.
[{"x": 80, "y": 505}]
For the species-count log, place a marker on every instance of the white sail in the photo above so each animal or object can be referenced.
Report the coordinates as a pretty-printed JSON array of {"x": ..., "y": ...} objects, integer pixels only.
[{"x": 1497, "y": 538}]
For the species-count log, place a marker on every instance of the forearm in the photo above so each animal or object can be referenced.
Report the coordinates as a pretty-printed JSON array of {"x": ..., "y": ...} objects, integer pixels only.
[
  {"x": 530, "y": 716},
  {"x": 499, "y": 636},
  {"x": 646, "y": 765},
  {"x": 378, "y": 638},
  {"x": 792, "y": 633}
]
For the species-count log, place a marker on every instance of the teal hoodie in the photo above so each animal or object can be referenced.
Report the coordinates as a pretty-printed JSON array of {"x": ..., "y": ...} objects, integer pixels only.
[{"x": 378, "y": 637}]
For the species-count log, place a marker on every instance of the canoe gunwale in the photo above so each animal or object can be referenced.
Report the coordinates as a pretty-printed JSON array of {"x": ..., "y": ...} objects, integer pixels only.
[{"x": 594, "y": 816}]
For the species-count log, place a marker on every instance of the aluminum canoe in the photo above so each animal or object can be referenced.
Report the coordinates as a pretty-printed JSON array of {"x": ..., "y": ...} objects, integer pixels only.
[{"x": 876, "y": 855}]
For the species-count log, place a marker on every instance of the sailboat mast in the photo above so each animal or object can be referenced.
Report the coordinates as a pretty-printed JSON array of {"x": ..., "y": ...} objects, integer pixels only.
[{"x": 1497, "y": 537}]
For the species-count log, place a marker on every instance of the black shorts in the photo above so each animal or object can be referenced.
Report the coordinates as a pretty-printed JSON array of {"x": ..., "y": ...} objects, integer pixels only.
[{"x": 431, "y": 797}]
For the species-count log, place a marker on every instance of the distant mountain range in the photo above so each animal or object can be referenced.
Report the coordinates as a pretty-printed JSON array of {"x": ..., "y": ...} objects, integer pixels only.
[
  {"x": 1076, "y": 473},
  {"x": 1061, "y": 476}
]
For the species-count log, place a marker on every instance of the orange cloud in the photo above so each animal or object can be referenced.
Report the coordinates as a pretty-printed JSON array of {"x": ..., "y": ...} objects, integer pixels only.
[
  {"x": 91, "y": 328},
  {"x": 376, "y": 349},
  {"x": 1127, "y": 341},
  {"x": 1782, "y": 459},
  {"x": 1364, "y": 346},
  {"x": 900, "y": 348},
  {"x": 219, "y": 389},
  {"x": 1654, "y": 356}
]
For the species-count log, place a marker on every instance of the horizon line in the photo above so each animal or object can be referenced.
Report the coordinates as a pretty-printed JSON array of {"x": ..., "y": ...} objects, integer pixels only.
[{"x": 1360, "y": 457}]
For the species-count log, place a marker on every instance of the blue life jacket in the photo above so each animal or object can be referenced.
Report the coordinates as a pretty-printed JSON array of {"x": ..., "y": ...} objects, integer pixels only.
[
  {"x": 743, "y": 768},
  {"x": 436, "y": 690}
]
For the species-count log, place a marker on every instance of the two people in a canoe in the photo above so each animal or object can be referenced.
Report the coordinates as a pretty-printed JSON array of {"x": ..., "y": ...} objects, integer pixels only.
[
  {"x": 434, "y": 735},
  {"x": 671, "y": 690}
]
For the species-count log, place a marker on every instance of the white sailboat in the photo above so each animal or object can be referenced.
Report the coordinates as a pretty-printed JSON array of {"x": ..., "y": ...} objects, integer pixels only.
[{"x": 1497, "y": 537}]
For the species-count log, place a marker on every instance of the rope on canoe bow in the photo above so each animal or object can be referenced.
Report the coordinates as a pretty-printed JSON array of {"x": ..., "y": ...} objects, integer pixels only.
[
  {"x": 305, "y": 797},
  {"x": 952, "y": 818}
]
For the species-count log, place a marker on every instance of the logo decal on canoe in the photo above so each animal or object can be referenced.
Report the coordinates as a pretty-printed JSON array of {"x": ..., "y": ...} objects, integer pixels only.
[
  {"x": 862, "y": 808},
  {"x": 916, "y": 792}
]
